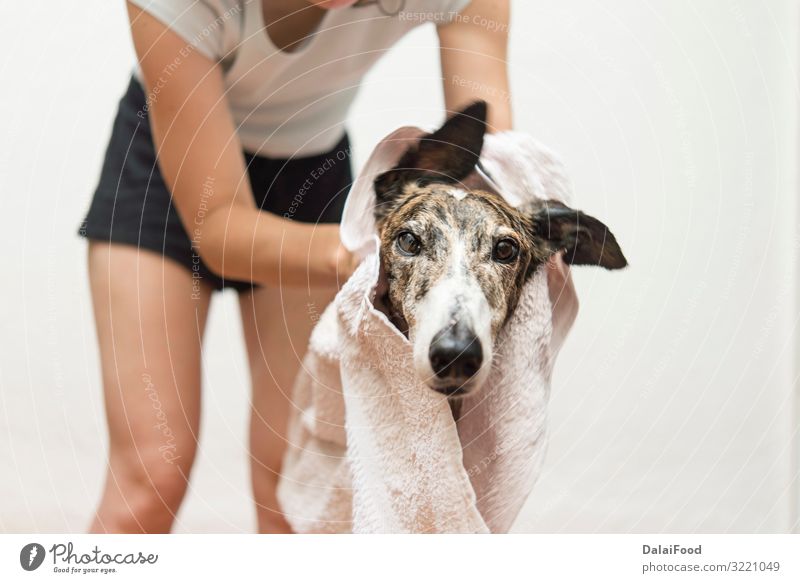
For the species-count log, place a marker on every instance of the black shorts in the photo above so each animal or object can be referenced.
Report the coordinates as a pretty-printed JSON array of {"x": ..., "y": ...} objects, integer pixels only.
[{"x": 132, "y": 204}]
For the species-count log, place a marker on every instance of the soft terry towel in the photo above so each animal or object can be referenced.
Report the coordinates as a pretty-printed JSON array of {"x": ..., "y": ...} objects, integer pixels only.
[{"x": 371, "y": 449}]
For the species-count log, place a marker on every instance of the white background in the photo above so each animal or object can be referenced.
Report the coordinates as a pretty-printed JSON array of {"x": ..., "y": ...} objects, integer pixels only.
[{"x": 674, "y": 404}]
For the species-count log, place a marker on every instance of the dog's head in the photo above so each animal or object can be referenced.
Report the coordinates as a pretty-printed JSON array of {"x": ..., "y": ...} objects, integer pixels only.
[{"x": 456, "y": 255}]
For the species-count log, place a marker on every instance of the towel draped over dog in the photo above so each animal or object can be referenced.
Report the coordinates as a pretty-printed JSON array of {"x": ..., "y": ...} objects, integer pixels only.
[{"x": 372, "y": 449}]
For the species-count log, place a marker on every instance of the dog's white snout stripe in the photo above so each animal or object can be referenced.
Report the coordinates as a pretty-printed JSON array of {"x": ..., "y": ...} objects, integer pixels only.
[{"x": 455, "y": 299}]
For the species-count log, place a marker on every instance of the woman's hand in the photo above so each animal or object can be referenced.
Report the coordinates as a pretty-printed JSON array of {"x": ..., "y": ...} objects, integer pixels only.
[
  {"x": 329, "y": 262},
  {"x": 346, "y": 264}
]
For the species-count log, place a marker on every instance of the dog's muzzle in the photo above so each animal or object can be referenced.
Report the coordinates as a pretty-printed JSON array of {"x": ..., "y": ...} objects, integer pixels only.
[{"x": 456, "y": 357}]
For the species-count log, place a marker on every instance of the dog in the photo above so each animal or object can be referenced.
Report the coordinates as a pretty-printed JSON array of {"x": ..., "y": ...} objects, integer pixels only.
[{"x": 455, "y": 255}]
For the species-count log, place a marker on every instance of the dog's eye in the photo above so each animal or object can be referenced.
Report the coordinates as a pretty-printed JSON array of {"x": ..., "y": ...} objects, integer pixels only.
[
  {"x": 408, "y": 243},
  {"x": 505, "y": 251}
]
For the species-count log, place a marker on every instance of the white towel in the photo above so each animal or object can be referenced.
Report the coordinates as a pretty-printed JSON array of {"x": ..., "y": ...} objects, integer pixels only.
[{"x": 371, "y": 448}]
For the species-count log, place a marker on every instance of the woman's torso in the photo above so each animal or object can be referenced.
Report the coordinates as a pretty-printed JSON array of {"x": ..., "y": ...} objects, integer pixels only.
[{"x": 293, "y": 103}]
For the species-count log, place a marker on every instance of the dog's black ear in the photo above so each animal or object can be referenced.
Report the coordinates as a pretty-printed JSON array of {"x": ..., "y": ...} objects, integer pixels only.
[
  {"x": 447, "y": 155},
  {"x": 585, "y": 240}
]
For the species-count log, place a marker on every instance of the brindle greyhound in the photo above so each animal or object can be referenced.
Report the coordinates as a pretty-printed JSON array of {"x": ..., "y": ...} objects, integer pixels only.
[{"x": 456, "y": 255}]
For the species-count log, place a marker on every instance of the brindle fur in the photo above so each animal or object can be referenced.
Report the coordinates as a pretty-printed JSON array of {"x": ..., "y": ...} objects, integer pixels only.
[
  {"x": 439, "y": 218},
  {"x": 436, "y": 193}
]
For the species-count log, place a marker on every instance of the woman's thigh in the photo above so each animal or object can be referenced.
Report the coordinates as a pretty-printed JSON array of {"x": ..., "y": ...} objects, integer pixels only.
[
  {"x": 277, "y": 325},
  {"x": 150, "y": 316}
]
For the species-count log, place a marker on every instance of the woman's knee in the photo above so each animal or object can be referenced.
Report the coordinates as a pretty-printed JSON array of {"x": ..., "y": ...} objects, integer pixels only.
[{"x": 148, "y": 488}]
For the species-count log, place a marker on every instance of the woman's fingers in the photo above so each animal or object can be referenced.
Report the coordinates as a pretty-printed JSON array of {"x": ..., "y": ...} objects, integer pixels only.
[{"x": 346, "y": 263}]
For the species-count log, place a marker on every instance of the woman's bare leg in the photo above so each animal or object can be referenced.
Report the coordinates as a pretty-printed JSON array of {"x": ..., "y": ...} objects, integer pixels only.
[
  {"x": 277, "y": 326},
  {"x": 150, "y": 318}
]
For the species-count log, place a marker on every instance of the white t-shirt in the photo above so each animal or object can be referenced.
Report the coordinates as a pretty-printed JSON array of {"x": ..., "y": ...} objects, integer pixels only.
[{"x": 292, "y": 104}]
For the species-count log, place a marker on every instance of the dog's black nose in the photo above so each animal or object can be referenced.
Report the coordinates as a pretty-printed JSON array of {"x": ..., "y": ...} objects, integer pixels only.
[{"x": 456, "y": 353}]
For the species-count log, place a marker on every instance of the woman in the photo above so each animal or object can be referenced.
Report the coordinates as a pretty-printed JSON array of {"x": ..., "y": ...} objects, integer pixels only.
[{"x": 242, "y": 104}]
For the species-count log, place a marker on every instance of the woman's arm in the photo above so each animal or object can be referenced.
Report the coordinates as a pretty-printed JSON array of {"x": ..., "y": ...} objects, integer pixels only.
[
  {"x": 474, "y": 60},
  {"x": 201, "y": 159}
]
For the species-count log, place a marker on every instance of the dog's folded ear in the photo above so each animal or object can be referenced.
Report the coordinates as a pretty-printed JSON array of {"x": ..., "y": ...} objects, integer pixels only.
[
  {"x": 447, "y": 155},
  {"x": 585, "y": 240}
]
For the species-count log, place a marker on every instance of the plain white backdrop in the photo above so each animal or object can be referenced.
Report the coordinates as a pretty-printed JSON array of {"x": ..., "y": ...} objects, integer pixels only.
[{"x": 675, "y": 400}]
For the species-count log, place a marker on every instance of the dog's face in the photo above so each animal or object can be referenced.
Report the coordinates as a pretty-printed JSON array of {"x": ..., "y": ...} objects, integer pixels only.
[{"x": 456, "y": 255}]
